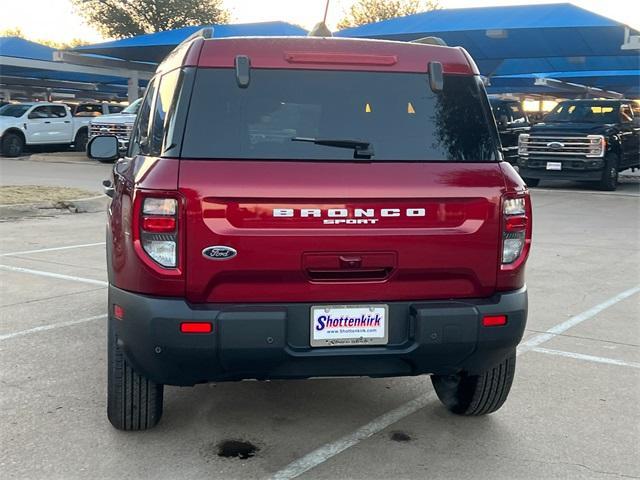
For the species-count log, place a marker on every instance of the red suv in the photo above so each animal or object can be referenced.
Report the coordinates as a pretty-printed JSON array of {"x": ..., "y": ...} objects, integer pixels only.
[{"x": 305, "y": 207}]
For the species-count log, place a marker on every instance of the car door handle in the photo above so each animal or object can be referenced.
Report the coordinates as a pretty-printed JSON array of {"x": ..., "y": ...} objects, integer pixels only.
[
  {"x": 67, "y": 121},
  {"x": 47, "y": 121}
]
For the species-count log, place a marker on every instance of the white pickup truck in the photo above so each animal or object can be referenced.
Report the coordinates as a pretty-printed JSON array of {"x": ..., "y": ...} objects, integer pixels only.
[
  {"x": 118, "y": 124},
  {"x": 40, "y": 123}
]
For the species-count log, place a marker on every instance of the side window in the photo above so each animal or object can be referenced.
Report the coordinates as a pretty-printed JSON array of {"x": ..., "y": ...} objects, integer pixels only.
[
  {"x": 40, "y": 112},
  {"x": 501, "y": 113},
  {"x": 162, "y": 112},
  {"x": 626, "y": 114},
  {"x": 517, "y": 113},
  {"x": 139, "y": 144},
  {"x": 58, "y": 111}
]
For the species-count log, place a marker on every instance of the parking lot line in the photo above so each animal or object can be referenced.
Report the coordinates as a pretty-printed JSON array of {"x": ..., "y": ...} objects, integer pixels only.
[
  {"x": 329, "y": 450},
  {"x": 53, "y": 249},
  {"x": 60, "y": 276},
  {"x": 575, "y": 320},
  {"x": 332, "y": 449},
  {"x": 588, "y": 358},
  {"x": 53, "y": 326}
]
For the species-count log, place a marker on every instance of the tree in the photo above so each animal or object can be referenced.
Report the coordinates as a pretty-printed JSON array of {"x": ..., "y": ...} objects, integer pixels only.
[
  {"x": 370, "y": 11},
  {"x": 126, "y": 18}
]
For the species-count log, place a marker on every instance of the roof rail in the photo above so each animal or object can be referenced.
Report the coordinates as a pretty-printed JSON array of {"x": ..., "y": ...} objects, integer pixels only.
[
  {"x": 430, "y": 41},
  {"x": 206, "y": 32}
]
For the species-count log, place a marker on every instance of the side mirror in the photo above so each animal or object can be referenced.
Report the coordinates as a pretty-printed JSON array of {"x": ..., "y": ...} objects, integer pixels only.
[{"x": 103, "y": 148}]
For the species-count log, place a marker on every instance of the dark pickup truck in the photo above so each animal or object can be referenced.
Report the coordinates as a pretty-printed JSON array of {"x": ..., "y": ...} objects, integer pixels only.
[
  {"x": 511, "y": 120},
  {"x": 582, "y": 140}
]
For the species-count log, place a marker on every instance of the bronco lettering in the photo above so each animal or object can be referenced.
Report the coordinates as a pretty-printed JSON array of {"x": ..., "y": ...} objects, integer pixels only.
[{"x": 345, "y": 212}]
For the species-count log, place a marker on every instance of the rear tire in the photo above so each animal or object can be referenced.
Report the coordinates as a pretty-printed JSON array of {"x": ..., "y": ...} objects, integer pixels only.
[
  {"x": 133, "y": 401},
  {"x": 609, "y": 180},
  {"x": 531, "y": 182},
  {"x": 81, "y": 140},
  {"x": 12, "y": 145},
  {"x": 474, "y": 395}
]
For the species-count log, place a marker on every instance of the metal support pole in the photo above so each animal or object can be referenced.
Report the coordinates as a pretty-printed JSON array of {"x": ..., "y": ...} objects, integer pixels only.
[{"x": 133, "y": 90}]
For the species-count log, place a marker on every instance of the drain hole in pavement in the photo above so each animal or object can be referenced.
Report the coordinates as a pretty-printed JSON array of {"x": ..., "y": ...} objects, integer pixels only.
[
  {"x": 236, "y": 449},
  {"x": 400, "y": 437}
]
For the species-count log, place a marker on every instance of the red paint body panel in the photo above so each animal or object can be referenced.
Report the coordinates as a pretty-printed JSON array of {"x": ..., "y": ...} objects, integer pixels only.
[
  {"x": 451, "y": 252},
  {"x": 131, "y": 268},
  {"x": 332, "y": 54}
]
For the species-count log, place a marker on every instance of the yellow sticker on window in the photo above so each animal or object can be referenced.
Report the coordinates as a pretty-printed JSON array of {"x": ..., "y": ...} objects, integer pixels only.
[{"x": 410, "y": 108}]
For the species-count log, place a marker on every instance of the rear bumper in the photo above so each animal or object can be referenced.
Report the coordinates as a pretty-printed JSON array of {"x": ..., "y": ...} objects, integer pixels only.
[{"x": 271, "y": 341}]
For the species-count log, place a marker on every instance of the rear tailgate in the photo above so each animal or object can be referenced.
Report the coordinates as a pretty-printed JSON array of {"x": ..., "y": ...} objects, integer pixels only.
[{"x": 341, "y": 231}]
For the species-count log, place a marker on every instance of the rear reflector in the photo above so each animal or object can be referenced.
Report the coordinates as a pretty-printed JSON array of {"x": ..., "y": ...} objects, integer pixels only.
[
  {"x": 494, "y": 320},
  {"x": 118, "y": 312},
  {"x": 196, "y": 327}
]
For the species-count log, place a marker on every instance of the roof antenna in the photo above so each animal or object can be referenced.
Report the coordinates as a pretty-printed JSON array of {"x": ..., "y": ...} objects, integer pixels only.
[{"x": 321, "y": 29}]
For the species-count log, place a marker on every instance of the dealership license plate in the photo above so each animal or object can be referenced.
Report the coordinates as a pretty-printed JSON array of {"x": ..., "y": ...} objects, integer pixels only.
[
  {"x": 554, "y": 165},
  {"x": 349, "y": 325}
]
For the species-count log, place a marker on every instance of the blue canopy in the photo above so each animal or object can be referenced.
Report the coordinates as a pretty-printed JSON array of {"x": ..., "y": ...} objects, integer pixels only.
[
  {"x": 153, "y": 47},
  {"x": 518, "y": 39},
  {"x": 21, "y": 48},
  {"x": 40, "y": 66},
  {"x": 623, "y": 81}
]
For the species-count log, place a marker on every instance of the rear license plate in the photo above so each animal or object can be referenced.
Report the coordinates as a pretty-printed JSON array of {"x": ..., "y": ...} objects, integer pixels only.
[
  {"x": 349, "y": 325},
  {"x": 554, "y": 165}
]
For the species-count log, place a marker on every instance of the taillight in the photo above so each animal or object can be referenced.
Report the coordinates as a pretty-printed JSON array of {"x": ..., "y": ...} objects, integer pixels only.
[
  {"x": 159, "y": 230},
  {"x": 514, "y": 230}
]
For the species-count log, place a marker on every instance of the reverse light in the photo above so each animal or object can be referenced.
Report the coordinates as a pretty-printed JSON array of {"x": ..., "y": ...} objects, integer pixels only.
[
  {"x": 158, "y": 230},
  {"x": 162, "y": 251}
]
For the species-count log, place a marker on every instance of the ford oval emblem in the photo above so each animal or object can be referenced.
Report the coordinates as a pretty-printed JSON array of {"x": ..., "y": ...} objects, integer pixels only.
[
  {"x": 219, "y": 252},
  {"x": 555, "y": 145}
]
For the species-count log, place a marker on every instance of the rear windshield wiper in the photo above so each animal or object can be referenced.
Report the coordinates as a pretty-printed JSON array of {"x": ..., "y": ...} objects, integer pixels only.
[{"x": 360, "y": 149}]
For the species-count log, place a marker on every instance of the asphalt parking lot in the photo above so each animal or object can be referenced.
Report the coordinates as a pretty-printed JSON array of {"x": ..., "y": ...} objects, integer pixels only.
[{"x": 572, "y": 413}]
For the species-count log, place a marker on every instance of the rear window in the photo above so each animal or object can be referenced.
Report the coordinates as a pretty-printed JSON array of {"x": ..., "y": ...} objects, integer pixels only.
[
  {"x": 397, "y": 114},
  {"x": 88, "y": 110}
]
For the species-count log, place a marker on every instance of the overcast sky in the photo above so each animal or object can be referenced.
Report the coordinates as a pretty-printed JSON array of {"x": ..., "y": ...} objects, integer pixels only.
[{"x": 56, "y": 20}]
